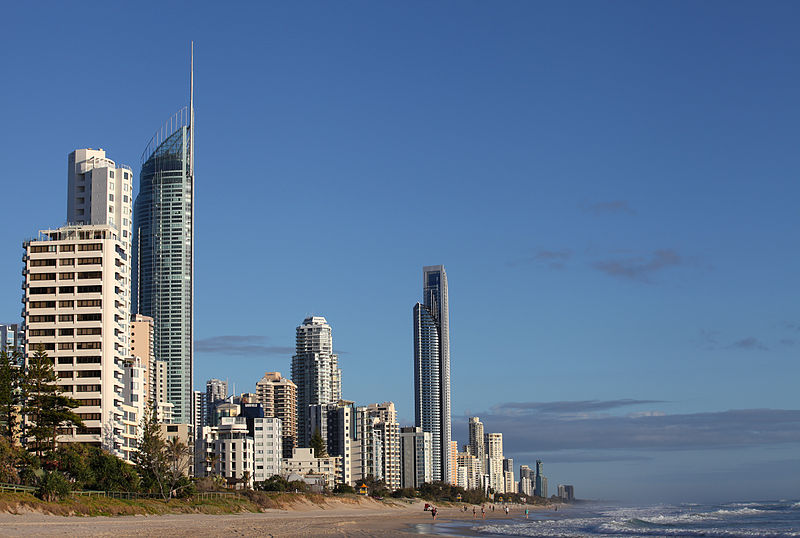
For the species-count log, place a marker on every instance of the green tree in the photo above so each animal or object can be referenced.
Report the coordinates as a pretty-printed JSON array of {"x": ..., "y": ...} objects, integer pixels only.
[
  {"x": 46, "y": 405},
  {"x": 178, "y": 458},
  {"x": 274, "y": 483},
  {"x": 318, "y": 444},
  {"x": 10, "y": 375},
  {"x": 151, "y": 457}
]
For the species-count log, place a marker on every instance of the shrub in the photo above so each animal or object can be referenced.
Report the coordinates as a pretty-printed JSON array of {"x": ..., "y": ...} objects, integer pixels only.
[
  {"x": 344, "y": 488},
  {"x": 53, "y": 486}
]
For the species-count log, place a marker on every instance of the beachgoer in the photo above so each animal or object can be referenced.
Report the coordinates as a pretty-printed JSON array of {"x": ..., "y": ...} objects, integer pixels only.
[
  {"x": 433, "y": 513},
  {"x": 483, "y": 512},
  {"x": 492, "y": 508},
  {"x": 506, "y": 510},
  {"x": 526, "y": 513},
  {"x": 474, "y": 512}
]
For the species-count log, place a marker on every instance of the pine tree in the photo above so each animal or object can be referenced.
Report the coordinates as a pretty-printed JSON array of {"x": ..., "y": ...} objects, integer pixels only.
[
  {"x": 10, "y": 374},
  {"x": 151, "y": 459},
  {"x": 46, "y": 406},
  {"x": 318, "y": 444}
]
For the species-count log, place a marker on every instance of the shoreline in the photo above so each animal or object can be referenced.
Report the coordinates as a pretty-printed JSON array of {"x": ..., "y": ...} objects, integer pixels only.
[{"x": 392, "y": 520}]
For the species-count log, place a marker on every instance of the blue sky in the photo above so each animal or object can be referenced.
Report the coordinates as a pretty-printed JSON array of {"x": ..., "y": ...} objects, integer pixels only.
[{"x": 612, "y": 188}]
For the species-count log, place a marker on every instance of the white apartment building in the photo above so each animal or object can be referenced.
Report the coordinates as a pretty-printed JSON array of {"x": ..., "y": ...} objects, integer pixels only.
[
  {"x": 376, "y": 448},
  {"x": 416, "y": 457},
  {"x": 336, "y": 424},
  {"x": 268, "y": 446},
  {"x": 134, "y": 380},
  {"x": 470, "y": 471},
  {"x": 494, "y": 461},
  {"x": 315, "y": 372},
  {"x": 232, "y": 448},
  {"x": 77, "y": 308},
  {"x": 142, "y": 347},
  {"x": 304, "y": 462},
  {"x": 477, "y": 446}
]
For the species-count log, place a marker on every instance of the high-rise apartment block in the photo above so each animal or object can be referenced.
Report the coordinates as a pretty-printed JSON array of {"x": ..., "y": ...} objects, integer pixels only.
[
  {"x": 432, "y": 367},
  {"x": 416, "y": 462},
  {"x": 469, "y": 471},
  {"x": 336, "y": 424},
  {"x": 477, "y": 446},
  {"x": 278, "y": 396},
  {"x": 315, "y": 372},
  {"x": 494, "y": 461},
  {"x": 163, "y": 245},
  {"x": 77, "y": 308},
  {"x": 376, "y": 448}
]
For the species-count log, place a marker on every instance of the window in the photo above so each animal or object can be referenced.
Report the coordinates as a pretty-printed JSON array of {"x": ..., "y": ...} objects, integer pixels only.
[
  {"x": 43, "y": 276},
  {"x": 66, "y": 276},
  {"x": 90, "y": 261},
  {"x": 90, "y": 401},
  {"x": 90, "y": 330},
  {"x": 88, "y": 373},
  {"x": 65, "y": 345},
  {"x": 110, "y": 173},
  {"x": 65, "y": 360},
  {"x": 111, "y": 185},
  {"x": 35, "y": 249},
  {"x": 110, "y": 199},
  {"x": 66, "y": 304},
  {"x": 41, "y": 291},
  {"x": 66, "y": 289},
  {"x": 87, "y": 345},
  {"x": 66, "y": 332},
  {"x": 89, "y": 416},
  {"x": 41, "y": 319},
  {"x": 90, "y": 274},
  {"x": 87, "y": 388},
  {"x": 172, "y": 429},
  {"x": 42, "y": 304},
  {"x": 41, "y": 332},
  {"x": 67, "y": 248},
  {"x": 67, "y": 261},
  {"x": 89, "y": 317},
  {"x": 87, "y": 247},
  {"x": 90, "y": 289},
  {"x": 88, "y": 360},
  {"x": 43, "y": 263},
  {"x": 85, "y": 303},
  {"x": 66, "y": 317}
]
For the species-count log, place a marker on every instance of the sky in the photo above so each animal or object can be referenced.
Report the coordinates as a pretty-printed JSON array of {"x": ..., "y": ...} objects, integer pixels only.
[{"x": 611, "y": 187}]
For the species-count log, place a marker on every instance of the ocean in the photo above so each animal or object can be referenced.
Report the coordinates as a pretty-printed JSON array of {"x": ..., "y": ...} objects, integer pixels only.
[{"x": 741, "y": 519}]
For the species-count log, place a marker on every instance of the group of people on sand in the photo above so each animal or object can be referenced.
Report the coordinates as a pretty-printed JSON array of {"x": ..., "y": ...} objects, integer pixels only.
[{"x": 434, "y": 511}]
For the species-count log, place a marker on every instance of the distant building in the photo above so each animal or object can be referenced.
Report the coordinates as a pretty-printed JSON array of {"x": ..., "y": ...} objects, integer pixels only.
[
  {"x": 508, "y": 475},
  {"x": 216, "y": 393},
  {"x": 494, "y": 461},
  {"x": 566, "y": 493},
  {"x": 278, "y": 395},
  {"x": 540, "y": 488},
  {"x": 185, "y": 434},
  {"x": 11, "y": 337},
  {"x": 470, "y": 470},
  {"x": 415, "y": 457},
  {"x": 142, "y": 347},
  {"x": 315, "y": 372},
  {"x": 477, "y": 445}
]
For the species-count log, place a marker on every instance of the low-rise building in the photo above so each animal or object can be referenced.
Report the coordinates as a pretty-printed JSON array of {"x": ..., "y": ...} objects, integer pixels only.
[{"x": 304, "y": 462}]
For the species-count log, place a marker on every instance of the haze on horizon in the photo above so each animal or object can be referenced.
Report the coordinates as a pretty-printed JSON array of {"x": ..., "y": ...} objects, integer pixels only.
[{"x": 612, "y": 188}]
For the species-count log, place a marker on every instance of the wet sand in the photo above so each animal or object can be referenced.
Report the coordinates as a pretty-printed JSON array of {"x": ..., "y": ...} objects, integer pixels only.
[{"x": 392, "y": 521}]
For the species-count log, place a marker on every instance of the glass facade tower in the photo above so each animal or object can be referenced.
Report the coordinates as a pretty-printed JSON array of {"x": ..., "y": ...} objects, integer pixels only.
[
  {"x": 163, "y": 245},
  {"x": 432, "y": 368}
]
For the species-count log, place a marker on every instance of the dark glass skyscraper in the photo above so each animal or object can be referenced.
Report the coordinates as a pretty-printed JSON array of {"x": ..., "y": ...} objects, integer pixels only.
[
  {"x": 163, "y": 245},
  {"x": 432, "y": 367}
]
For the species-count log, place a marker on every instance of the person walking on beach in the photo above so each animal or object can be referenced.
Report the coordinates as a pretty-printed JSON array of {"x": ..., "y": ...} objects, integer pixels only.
[
  {"x": 433, "y": 513},
  {"x": 474, "y": 513},
  {"x": 526, "y": 513},
  {"x": 506, "y": 510},
  {"x": 483, "y": 511}
]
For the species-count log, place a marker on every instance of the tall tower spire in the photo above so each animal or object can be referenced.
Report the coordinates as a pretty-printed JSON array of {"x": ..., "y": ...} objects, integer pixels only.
[{"x": 191, "y": 107}]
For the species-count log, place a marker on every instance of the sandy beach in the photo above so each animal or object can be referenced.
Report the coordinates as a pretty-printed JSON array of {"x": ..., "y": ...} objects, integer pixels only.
[{"x": 390, "y": 521}]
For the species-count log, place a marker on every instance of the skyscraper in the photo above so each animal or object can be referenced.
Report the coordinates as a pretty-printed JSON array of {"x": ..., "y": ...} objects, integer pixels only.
[
  {"x": 163, "y": 243},
  {"x": 477, "y": 446},
  {"x": 432, "y": 367},
  {"x": 315, "y": 371}
]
